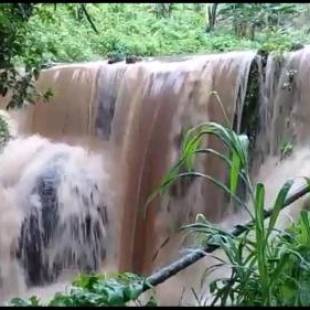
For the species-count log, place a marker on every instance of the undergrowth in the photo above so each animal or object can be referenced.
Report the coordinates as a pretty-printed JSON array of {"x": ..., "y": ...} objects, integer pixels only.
[{"x": 94, "y": 290}]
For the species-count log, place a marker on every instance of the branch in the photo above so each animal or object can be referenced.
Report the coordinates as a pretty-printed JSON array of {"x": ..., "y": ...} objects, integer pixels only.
[
  {"x": 88, "y": 17},
  {"x": 189, "y": 259}
]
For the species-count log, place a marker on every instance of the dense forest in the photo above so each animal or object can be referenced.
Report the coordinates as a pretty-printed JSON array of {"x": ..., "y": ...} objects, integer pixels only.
[
  {"x": 37, "y": 36},
  {"x": 32, "y": 33},
  {"x": 157, "y": 29},
  {"x": 163, "y": 29}
]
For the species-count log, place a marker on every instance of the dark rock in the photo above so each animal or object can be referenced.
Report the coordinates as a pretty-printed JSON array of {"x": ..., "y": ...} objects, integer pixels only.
[
  {"x": 133, "y": 59},
  {"x": 296, "y": 46},
  {"x": 262, "y": 52},
  {"x": 115, "y": 58},
  {"x": 106, "y": 98}
]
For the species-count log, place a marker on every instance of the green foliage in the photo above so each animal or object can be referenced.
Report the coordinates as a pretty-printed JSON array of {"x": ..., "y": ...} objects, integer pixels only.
[
  {"x": 4, "y": 132},
  {"x": 264, "y": 271},
  {"x": 236, "y": 160},
  {"x": 32, "y": 33},
  {"x": 286, "y": 149},
  {"x": 147, "y": 30},
  {"x": 95, "y": 290},
  {"x": 14, "y": 46},
  {"x": 249, "y": 17},
  {"x": 21, "y": 54}
]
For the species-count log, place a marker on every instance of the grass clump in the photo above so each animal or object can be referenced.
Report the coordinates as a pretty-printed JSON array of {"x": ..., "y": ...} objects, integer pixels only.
[{"x": 268, "y": 266}]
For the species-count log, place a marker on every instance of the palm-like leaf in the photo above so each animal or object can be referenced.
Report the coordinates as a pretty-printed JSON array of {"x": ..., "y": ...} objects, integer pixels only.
[{"x": 192, "y": 145}]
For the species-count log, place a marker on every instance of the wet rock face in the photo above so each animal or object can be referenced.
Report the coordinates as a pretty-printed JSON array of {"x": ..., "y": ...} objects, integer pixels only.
[
  {"x": 106, "y": 109},
  {"x": 50, "y": 242}
]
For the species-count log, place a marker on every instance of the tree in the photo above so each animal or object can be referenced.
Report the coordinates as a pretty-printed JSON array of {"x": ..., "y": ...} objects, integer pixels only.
[
  {"x": 20, "y": 61},
  {"x": 13, "y": 47},
  {"x": 212, "y": 9},
  {"x": 163, "y": 9},
  {"x": 246, "y": 18}
]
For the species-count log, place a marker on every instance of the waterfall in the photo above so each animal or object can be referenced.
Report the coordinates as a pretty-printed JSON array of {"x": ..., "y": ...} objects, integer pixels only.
[{"x": 125, "y": 122}]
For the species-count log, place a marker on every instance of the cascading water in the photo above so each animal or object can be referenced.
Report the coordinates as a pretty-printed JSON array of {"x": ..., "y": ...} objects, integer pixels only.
[
  {"x": 54, "y": 213},
  {"x": 133, "y": 117}
]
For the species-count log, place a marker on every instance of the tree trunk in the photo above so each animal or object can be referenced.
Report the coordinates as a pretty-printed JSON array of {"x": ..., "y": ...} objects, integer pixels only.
[
  {"x": 240, "y": 29},
  {"x": 163, "y": 9},
  {"x": 212, "y": 16},
  {"x": 252, "y": 32}
]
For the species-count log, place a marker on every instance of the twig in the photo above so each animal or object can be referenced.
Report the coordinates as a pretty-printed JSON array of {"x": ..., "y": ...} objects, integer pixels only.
[
  {"x": 88, "y": 17},
  {"x": 189, "y": 259}
]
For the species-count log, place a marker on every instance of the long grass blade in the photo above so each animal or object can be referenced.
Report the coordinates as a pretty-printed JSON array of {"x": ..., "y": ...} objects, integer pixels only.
[
  {"x": 261, "y": 240},
  {"x": 191, "y": 146},
  {"x": 278, "y": 205},
  {"x": 234, "y": 172},
  {"x": 219, "y": 101}
]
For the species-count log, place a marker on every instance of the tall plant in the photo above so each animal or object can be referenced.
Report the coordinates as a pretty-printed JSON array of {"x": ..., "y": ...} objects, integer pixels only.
[
  {"x": 246, "y": 18},
  {"x": 263, "y": 260}
]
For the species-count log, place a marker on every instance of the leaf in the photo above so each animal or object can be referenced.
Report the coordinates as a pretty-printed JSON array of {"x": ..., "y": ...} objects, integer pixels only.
[
  {"x": 19, "y": 302},
  {"x": 34, "y": 301},
  {"x": 86, "y": 281},
  {"x": 304, "y": 219},
  {"x": 279, "y": 204},
  {"x": 261, "y": 240},
  {"x": 191, "y": 145},
  {"x": 234, "y": 172}
]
